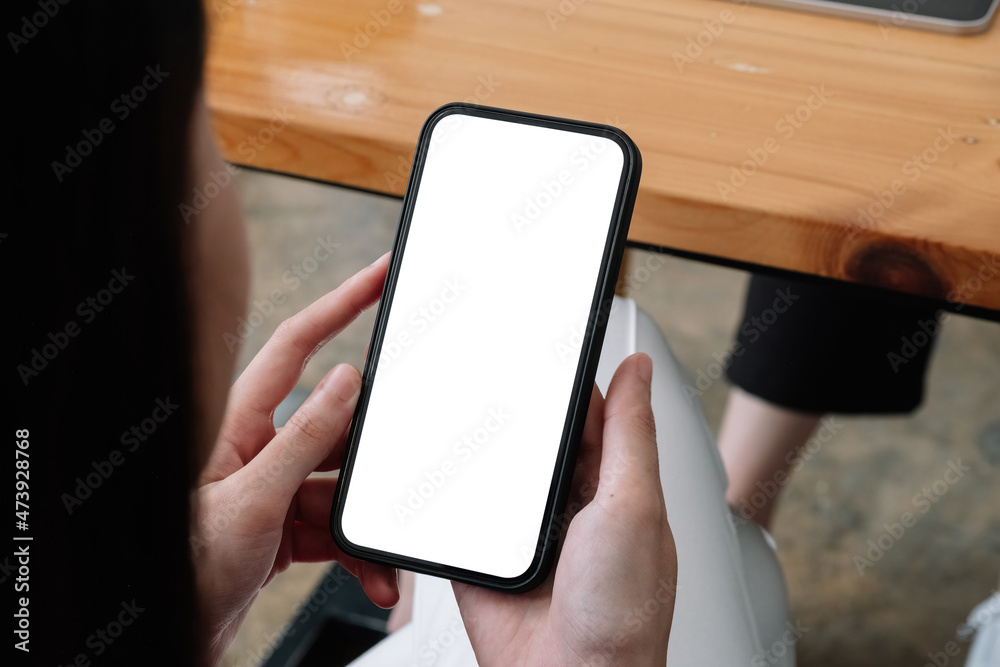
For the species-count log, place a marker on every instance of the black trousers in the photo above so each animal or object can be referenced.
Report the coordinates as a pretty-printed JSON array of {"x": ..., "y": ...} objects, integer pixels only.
[{"x": 814, "y": 349}]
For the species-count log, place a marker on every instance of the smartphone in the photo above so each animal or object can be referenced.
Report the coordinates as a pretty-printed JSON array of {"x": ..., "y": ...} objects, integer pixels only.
[
  {"x": 486, "y": 342},
  {"x": 952, "y": 16}
]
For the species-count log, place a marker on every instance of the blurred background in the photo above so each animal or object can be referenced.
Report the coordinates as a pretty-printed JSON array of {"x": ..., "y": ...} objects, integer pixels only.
[{"x": 907, "y": 604}]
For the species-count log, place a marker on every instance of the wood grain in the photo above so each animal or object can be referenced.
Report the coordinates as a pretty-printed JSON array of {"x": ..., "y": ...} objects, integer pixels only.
[{"x": 704, "y": 87}]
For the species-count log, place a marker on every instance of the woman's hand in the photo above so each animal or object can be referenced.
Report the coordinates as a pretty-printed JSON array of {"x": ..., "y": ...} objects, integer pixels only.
[
  {"x": 257, "y": 510},
  {"x": 611, "y": 599}
]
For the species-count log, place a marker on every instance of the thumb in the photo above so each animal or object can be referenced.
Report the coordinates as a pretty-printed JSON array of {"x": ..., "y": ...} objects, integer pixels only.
[
  {"x": 315, "y": 432},
  {"x": 629, "y": 460}
]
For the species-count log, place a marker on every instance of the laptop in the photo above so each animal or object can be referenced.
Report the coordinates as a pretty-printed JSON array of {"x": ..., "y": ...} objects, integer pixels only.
[{"x": 951, "y": 16}]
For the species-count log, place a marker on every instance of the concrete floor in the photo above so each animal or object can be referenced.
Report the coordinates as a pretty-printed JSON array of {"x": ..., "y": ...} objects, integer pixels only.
[{"x": 906, "y": 605}]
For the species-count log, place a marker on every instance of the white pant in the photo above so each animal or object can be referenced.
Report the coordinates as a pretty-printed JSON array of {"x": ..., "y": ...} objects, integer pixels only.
[{"x": 731, "y": 604}]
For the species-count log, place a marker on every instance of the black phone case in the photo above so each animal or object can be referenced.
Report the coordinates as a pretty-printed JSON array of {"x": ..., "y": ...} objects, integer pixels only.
[{"x": 593, "y": 340}]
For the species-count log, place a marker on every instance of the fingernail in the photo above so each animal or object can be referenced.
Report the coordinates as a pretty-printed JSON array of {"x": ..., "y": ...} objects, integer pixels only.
[
  {"x": 644, "y": 366},
  {"x": 381, "y": 258},
  {"x": 344, "y": 381}
]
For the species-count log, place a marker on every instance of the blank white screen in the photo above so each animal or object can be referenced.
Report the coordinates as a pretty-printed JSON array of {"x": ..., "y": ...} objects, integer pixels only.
[{"x": 474, "y": 378}]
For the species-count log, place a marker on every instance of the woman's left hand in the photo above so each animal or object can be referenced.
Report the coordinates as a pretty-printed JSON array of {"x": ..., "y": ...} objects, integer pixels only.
[{"x": 258, "y": 510}]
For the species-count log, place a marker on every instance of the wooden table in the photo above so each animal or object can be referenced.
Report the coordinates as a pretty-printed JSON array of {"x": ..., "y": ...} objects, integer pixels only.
[{"x": 830, "y": 147}]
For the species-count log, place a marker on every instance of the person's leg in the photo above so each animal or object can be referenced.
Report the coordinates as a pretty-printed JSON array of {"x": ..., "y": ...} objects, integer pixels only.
[
  {"x": 758, "y": 442},
  {"x": 719, "y": 619},
  {"x": 804, "y": 350}
]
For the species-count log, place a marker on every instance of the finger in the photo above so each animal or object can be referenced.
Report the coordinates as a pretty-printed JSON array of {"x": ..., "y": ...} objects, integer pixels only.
[
  {"x": 378, "y": 581},
  {"x": 588, "y": 461},
  {"x": 317, "y": 430},
  {"x": 272, "y": 374},
  {"x": 629, "y": 461},
  {"x": 312, "y": 544},
  {"x": 314, "y": 501}
]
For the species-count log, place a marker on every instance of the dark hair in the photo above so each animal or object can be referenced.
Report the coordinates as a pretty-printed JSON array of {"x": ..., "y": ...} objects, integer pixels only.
[{"x": 99, "y": 331}]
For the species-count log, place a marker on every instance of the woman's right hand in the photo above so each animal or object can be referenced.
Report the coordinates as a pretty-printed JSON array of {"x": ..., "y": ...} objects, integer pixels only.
[{"x": 610, "y": 600}]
